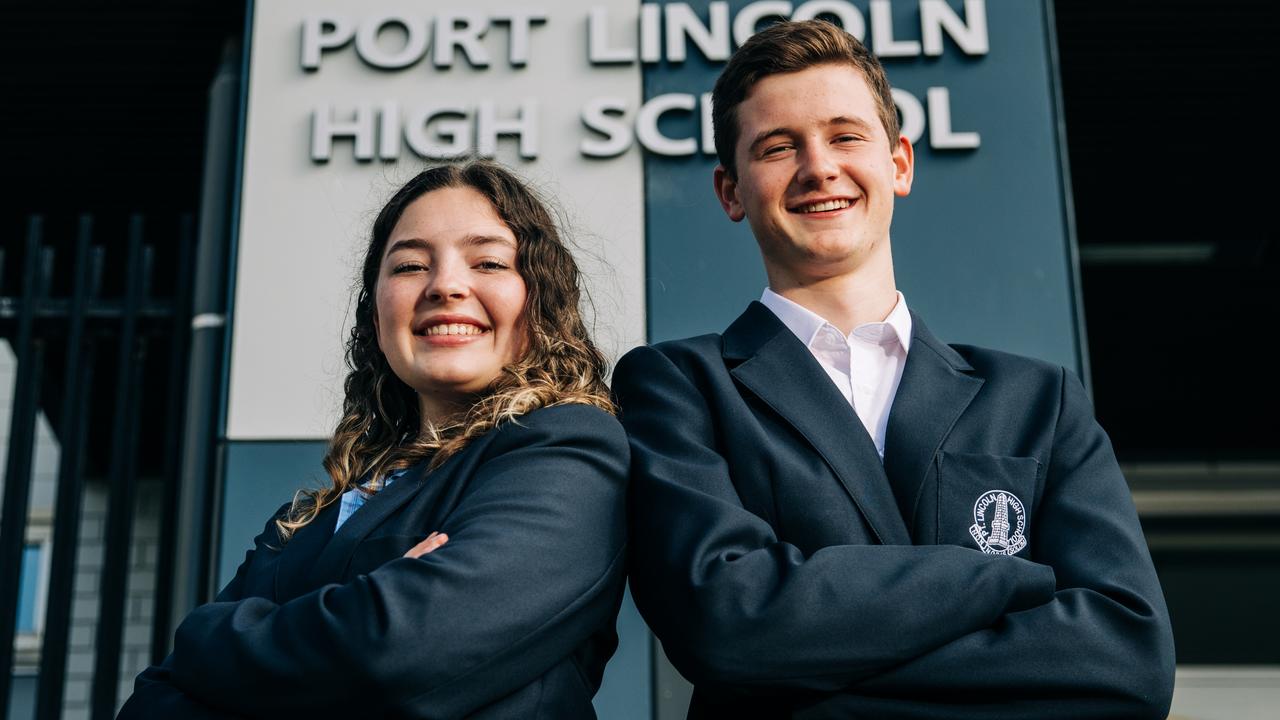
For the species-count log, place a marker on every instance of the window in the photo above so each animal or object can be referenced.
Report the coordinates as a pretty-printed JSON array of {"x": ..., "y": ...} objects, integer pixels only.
[{"x": 29, "y": 589}]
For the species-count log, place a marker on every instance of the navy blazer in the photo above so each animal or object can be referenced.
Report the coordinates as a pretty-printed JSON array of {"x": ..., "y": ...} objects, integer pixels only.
[
  {"x": 789, "y": 573},
  {"x": 512, "y": 618}
]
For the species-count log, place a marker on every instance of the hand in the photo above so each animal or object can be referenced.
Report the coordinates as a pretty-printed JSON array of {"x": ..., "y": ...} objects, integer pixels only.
[{"x": 433, "y": 541}]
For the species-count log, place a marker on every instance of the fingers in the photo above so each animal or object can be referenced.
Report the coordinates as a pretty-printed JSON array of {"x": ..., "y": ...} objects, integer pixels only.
[{"x": 433, "y": 541}]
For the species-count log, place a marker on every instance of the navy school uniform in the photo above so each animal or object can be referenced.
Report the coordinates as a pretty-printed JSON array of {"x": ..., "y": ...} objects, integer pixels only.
[
  {"x": 512, "y": 618},
  {"x": 992, "y": 567}
]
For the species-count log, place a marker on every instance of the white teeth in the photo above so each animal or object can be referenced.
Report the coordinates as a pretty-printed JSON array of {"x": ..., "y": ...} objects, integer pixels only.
[
  {"x": 825, "y": 206},
  {"x": 454, "y": 329}
]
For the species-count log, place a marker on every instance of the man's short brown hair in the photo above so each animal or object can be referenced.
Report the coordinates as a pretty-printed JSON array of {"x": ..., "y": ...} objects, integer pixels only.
[{"x": 791, "y": 47}]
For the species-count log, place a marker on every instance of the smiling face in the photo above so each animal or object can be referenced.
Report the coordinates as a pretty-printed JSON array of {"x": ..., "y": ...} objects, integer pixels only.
[
  {"x": 816, "y": 174},
  {"x": 449, "y": 299}
]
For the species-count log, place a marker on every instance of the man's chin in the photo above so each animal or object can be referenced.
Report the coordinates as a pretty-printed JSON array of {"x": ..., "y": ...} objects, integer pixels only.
[{"x": 831, "y": 261}]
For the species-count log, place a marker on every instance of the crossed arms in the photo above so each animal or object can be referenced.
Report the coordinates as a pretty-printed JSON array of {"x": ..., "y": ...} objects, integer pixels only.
[
  {"x": 532, "y": 568},
  {"x": 1079, "y": 630}
]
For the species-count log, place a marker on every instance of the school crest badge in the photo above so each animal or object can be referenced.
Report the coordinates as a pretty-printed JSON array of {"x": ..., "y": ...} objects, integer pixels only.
[{"x": 999, "y": 523}]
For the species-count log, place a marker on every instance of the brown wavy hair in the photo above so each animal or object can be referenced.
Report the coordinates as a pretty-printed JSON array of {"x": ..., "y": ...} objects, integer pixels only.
[{"x": 381, "y": 429}]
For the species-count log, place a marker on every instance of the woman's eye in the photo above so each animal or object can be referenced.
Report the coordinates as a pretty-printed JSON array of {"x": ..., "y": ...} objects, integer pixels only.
[
  {"x": 492, "y": 265},
  {"x": 408, "y": 267}
]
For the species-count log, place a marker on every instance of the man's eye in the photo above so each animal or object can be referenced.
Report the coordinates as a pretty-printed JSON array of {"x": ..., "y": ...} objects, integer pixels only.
[
  {"x": 847, "y": 138},
  {"x": 776, "y": 149}
]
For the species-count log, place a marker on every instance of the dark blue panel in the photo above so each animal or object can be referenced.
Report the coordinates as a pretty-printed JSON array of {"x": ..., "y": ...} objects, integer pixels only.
[
  {"x": 259, "y": 477},
  {"x": 701, "y": 269},
  {"x": 626, "y": 693}
]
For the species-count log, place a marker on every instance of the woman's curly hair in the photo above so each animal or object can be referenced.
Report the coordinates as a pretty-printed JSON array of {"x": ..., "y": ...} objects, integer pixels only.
[{"x": 381, "y": 430}]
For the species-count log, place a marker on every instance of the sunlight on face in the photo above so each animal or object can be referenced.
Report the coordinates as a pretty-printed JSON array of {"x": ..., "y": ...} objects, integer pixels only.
[
  {"x": 817, "y": 175},
  {"x": 450, "y": 301}
]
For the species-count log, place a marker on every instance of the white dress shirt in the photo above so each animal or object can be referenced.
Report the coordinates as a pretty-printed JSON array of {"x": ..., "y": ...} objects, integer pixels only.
[{"x": 866, "y": 366}]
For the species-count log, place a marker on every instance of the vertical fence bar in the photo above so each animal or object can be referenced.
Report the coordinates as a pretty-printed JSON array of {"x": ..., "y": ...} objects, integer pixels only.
[
  {"x": 122, "y": 490},
  {"x": 167, "y": 551},
  {"x": 17, "y": 477},
  {"x": 66, "y": 518}
]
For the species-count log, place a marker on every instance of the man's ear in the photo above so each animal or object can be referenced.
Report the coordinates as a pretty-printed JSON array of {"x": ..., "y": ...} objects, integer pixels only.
[
  {"x": 727, "y": 191},
  {"x": 904, "y": 167}
]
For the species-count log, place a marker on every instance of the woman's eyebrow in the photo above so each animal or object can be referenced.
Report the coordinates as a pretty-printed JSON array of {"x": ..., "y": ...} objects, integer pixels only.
[
  {"x": 409, "y": 244},
  {"x": 474, "y": 240}
]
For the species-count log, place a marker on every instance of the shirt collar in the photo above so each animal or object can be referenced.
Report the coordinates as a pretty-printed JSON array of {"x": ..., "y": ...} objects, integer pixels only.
[{"x": 806, "y": 324}]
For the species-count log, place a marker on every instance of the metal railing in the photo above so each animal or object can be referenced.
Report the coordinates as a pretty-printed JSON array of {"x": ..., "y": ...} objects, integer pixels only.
[{"x": 100, "y": 332}]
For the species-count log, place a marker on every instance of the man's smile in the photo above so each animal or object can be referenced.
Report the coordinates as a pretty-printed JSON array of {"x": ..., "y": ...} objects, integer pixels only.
[{"x": 822, "y": 206}]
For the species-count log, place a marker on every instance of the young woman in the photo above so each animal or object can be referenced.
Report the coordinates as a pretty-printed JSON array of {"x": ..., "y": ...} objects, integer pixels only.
[{"x": 467, "y": 560}]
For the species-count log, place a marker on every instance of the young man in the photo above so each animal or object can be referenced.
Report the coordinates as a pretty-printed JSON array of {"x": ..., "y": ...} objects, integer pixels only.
[{"x": 837, "y": 515}]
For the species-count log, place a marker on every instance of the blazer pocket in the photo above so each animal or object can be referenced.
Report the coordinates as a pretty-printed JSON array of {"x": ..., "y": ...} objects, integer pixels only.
[
  {"x": 372, "y": 553},
  {"x": 985, "y": 502}
]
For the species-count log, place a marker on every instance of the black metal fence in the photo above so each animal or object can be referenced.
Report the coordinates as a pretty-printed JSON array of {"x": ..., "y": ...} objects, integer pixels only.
[{"x": 96, "y": 310}]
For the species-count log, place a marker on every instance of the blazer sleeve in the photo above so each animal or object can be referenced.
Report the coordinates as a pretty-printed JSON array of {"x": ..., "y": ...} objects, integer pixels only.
[
  {"x": 532, "y": 568},
  {"x": 737, "y": 608},
  {"x": 1102, "y": 648},
  {"x": 154, "y": 694}
]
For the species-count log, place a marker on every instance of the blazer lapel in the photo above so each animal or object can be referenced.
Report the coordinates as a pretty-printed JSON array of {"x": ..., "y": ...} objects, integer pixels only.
[
  {"x": 300, "y": 552},
  {"x": 935, "y": 389},
  {"x": 332, "y": 562},
  {"x": 781, "y": 371}
]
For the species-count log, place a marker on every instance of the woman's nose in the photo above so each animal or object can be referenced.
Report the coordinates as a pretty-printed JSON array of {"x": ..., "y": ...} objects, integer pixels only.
[{"x": 448, "y": 282}]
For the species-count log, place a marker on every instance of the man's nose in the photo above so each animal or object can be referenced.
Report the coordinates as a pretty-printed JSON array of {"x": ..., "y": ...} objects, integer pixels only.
[{"x": 817, "y": 165}]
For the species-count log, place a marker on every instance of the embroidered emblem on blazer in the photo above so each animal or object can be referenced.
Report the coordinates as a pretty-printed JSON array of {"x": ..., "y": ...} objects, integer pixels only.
[{"x": 999, "y": 523}]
